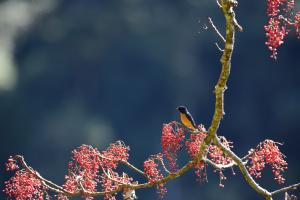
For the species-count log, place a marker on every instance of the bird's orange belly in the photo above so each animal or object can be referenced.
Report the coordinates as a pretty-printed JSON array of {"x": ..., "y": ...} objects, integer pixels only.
[{"x": 186, "y": 121}]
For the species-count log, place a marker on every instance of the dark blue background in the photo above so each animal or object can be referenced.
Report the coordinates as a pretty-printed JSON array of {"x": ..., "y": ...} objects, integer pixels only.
[{"x": 92, "y": 72}]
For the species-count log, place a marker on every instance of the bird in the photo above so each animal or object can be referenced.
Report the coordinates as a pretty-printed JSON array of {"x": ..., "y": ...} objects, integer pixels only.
[{"x": 186, "y": 118}]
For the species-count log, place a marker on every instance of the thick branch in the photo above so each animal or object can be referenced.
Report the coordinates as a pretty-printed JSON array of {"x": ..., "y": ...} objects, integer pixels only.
[
  {"x": 220, "y": 87},
  {"x": 231, "y": 24}
]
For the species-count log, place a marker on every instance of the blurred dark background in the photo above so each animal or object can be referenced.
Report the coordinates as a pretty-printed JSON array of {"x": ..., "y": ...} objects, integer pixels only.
[{"x": 93, "y": 72}]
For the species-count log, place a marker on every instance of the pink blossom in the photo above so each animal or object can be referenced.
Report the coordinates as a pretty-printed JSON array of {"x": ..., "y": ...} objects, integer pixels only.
[{"x": 171, "y": 142}]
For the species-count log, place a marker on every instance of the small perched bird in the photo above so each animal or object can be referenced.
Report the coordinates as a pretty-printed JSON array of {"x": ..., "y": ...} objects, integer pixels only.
[{"x": 186, "y": 118}]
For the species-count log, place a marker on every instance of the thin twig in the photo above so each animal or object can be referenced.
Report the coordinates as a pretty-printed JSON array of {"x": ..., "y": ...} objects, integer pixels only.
[
  {"x": 133, "y": 167},
  {"x": 217, "y": 45},
  {"x": 164, "y": 166},
  {"x": 83, "y": 191},
  {"x": 218, "y": 3},
  {"x": 53, "y": 186},
  {"x": 125, "y": 163},
  {"x": 246, "y": 157},
  {"x": 216, "y": 29}
]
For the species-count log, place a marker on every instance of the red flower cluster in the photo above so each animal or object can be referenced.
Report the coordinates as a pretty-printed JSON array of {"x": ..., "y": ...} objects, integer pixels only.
[
  {"x": 200, "y": 171},
  {"x": 275, "y": 34},
  {"x": 154, "y": 174},
  {"x": 193, "y": 148},
  {"x": 83, "y": 174},
  {"x": 24, "y": 186},
  {"x": 108, "y": 185},
  {"x": 151, "y": 170},
  {"x": 83, "y": 169},
  {"x": 267, "y": 152},
  {"x": 115, "y": 153},
  {"x": 273, "y": 7},
  {"x": 216, "y": 155},
  {"x": 171, "y": 142},
  {"x": 281, "y": 19},
  {"x": 86, "y": 162},
  {"x": 194, "y": 143},
  {"x": 110, "y": 158}
]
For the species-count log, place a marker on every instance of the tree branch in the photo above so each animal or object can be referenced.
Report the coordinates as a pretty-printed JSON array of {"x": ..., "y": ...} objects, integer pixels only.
[
  {"x": 242, "y": 168},
  {"x": 164, "y": 166},
  {"x": 218, "y": 166},
  {"x": 125, "y": 163},
  {"x": 285, "y": 189},
  {"x": 231, "y": 24},
  {"x": 54, "y": 187},
  {"x": 133, "y": 167},
  {"x": 218, "y": 47}
]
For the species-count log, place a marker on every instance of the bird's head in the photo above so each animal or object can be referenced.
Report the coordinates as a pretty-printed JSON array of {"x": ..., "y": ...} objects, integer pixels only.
[{"x": 182, "y": 109}]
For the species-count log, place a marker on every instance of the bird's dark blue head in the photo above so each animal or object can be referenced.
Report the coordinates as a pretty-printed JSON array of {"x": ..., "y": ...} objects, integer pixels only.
[{"x": 182, "y": 109}]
